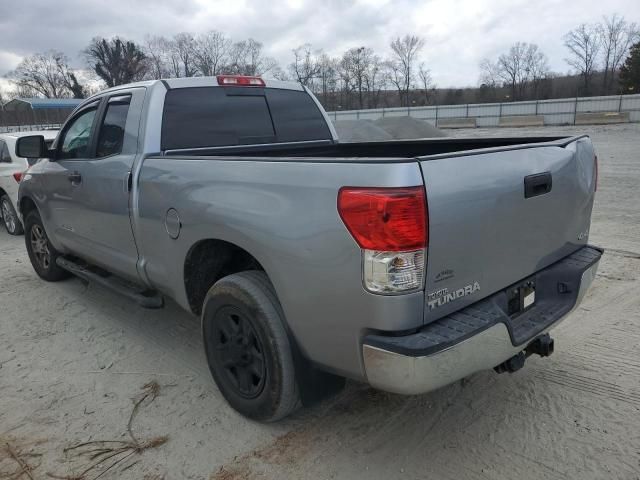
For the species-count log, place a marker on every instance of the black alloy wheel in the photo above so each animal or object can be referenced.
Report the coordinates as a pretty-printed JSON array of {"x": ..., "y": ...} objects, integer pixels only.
[{"x": 239, "y": 350}]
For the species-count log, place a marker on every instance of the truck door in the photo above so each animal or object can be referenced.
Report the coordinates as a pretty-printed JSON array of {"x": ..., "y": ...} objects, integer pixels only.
[
  {"x": 72, "y": 149},
  {"x": 98, "y": 211}
]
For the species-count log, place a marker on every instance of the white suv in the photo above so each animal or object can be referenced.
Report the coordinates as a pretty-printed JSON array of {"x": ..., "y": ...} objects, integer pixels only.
[{"x": 11, "y": 170}]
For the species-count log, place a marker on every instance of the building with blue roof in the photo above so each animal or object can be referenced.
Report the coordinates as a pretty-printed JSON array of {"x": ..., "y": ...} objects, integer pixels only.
[{"x": 25, "y": 104}]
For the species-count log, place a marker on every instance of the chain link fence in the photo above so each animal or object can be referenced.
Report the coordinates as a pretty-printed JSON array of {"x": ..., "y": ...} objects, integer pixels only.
[{"x": 564, "y": 111}]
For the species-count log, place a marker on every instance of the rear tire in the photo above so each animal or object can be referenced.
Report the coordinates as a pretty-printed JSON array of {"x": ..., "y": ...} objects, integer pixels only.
[
  {"x": 41, "y": 253},
  {"x": 247, "y": 347},
  {"x": 10, "y": 217}
]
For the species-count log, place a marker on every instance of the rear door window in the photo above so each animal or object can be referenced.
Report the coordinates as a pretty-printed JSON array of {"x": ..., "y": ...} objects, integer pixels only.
[
  {"x": 111, "y": 136},
  {"x": 200, "y": 117}
]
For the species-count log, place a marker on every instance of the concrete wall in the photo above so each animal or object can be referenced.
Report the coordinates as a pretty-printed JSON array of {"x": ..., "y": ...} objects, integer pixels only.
[
  {"x": 521, "y": 121},
  {"x": 595, "y": 118},
  {"x": 550, "y": 112},
  {"x": 457, "y": 122}
]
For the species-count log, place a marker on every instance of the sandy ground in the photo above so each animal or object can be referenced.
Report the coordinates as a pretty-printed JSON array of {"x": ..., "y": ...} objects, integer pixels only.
[{"x": 74, "y": 358}]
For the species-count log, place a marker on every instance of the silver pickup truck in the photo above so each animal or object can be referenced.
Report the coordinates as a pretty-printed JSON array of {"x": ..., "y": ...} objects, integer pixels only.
[{"x": 405, "y": 264}]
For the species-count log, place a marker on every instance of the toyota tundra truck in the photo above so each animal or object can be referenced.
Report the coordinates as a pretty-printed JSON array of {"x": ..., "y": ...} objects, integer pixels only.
[{"x": 405, "y": 264}]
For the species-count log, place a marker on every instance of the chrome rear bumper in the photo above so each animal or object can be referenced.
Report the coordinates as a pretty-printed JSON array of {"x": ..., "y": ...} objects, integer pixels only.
[{"x": 402, "y": 372}]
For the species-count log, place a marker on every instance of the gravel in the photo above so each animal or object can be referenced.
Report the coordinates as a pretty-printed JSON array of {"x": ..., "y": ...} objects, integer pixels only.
[
  {"x": 72, "y": 358},
  {"x": 388, "y": 128}
]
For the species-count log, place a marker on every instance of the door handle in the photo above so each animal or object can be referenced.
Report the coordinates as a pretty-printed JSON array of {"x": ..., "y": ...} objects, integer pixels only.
[
  {"x": 537, "y": 184},
  {"x": 75, "y": 178}
]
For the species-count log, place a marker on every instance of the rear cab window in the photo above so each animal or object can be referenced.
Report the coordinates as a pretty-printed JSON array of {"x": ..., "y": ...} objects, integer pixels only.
[{"x": 199, "y": 117}]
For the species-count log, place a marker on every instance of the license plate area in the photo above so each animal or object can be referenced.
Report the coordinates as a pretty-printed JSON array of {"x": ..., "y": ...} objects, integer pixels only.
[{"x": 521, "y": 298}]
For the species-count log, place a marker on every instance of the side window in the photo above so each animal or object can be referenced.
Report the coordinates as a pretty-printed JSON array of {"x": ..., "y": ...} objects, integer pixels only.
[
  {"x": 5, "y": 156},
  {"x": 76, "y": 138},
  {"x": 111, "y": 136}
]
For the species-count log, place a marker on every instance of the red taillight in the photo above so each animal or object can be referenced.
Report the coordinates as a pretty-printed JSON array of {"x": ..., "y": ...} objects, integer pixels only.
[
  {"x": 388, "y": 219},
  {"x": 595, "y": 166},
  {"x": 18, "y": 176},
  {"x": 240, "y": 81}
]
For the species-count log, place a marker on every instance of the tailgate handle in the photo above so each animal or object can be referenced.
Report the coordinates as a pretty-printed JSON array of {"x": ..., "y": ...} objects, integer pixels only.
[{"x": 537, "y": 184}]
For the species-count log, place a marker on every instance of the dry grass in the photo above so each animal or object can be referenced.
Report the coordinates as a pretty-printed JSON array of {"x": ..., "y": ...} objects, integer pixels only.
[
  {"x": 105, "y": 455},
  {"x": 22, "y": 459}
]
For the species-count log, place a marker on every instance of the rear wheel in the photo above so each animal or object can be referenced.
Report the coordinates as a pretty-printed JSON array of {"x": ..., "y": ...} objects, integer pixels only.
[
  {"x": 247, "y": 347},
  {"x": 10, "y": 217},
  {"x": 42, "y": 254}
]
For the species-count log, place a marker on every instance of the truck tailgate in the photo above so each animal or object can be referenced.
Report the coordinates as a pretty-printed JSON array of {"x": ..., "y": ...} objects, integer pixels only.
[{"x": 497, "y": 217}]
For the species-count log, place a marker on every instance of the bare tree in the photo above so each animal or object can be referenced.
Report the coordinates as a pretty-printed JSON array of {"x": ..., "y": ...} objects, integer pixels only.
[
  {"x": 210, "y": 52},
  {"x": 375, "y": 80},
  {"x": 512, "y": 69},
  {"x": 246, "y": 58},
  {"x": 490, "y": 74},
  {"x": 276, "y": 72},
  {"x": 116, "y": 61},
  {"x": 157, "y": 50},
  {"x": 305, "y": 66},
  {"x": 426, "y": 82},
  {"x": 394, "y": 74},
  {"x": 327, "y": 83},
  {"x": 182, "y": 55},
  {"x": 358, "y": 61},
  {"x": 405, "y": 49},
  {"x": 522, "y": 68},
  {"x": 536, "y": 67},
  {"x": 583, "y": 43},
  {"x": 47, "y": 74},
  {"x": 72, "y": 84},
  {"x": 10, "y": 94},
  {"x": 616, "y": 38}
]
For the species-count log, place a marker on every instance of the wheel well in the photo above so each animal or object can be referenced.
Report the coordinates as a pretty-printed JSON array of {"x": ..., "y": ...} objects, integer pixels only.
[
  {"x": 207, "y": 262},
  {"x": 26, "y": 206},
  {"x": 2, "y": 192}
]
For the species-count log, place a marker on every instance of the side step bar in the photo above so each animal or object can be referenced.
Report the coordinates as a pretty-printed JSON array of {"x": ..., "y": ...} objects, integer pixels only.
[{"x": 144, "y": 298}]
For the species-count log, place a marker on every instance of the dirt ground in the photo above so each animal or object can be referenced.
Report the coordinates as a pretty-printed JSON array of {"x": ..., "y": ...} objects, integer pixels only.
[{"x": 73, "y": 359}]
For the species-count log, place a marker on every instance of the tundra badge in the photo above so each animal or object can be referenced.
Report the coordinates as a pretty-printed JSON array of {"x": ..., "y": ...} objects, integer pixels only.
[{"x": 443, "y": 296}]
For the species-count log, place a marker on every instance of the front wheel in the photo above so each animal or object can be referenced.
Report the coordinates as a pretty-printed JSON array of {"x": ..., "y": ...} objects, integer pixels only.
[
  {"x": 10, "y": 217},
  {"x": 247, "y": 347},
  {"x": 42, "y": 254}
]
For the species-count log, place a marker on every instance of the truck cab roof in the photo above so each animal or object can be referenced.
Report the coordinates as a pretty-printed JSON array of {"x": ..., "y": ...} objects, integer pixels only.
[{"x": 190, "y": 82}]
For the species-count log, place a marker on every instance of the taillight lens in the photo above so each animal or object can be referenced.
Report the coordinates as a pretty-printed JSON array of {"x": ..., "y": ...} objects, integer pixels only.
[
  {"x": 391, "y": 226},
  {"x": 240, "y": 81},
  {"x": 390, "y": 219},
  {"x": 18, "y": 176}
]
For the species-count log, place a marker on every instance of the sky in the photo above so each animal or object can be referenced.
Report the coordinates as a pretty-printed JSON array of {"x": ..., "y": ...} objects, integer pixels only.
[{"x": 458, "y": 33}]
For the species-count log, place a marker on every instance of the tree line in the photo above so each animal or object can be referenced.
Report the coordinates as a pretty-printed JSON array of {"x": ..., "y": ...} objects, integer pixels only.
[
  {"x": 593, "y": 50},
  {"x": 600, "y": 55}
]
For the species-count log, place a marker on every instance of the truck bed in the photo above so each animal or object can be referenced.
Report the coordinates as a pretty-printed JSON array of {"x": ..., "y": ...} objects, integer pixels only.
[{"x": 397, "y": 150}]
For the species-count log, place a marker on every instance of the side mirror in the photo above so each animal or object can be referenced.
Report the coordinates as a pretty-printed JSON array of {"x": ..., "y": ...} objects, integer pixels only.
[{"x": 32, "y": 146}]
